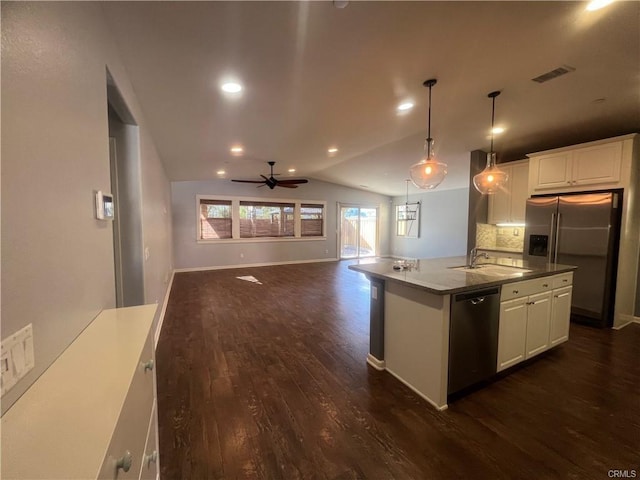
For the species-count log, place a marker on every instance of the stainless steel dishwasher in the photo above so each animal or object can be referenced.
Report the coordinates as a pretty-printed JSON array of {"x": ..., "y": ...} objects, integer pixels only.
[{"x": 473, "y": 337}]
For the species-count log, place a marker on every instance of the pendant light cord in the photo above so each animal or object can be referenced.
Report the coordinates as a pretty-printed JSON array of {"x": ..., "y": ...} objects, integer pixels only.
[
  {"x": 429, "y": 83},
  {"x": 493, "y": 96}
]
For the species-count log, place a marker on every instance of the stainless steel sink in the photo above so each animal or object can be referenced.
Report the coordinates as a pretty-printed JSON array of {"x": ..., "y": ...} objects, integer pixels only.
[{"x": 492, "y": 269}]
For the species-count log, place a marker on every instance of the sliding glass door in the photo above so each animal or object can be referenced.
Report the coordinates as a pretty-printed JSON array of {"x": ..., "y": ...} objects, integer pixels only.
[{"x": 358, "y": 231}]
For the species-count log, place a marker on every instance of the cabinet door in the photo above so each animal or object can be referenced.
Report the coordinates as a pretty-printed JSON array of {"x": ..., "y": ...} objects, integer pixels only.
[
  {"x": 598, "y": 164},
  {"x": 551, "y": 171},
  {"x": 150, "y": 458},
  {"x": 560, "y": 316},
  {"x": 512, "y": 332},
  {"x": 538, "y": 323},
  {"x": 500, "y": 202},
  {"x": 519, "y": 182}
]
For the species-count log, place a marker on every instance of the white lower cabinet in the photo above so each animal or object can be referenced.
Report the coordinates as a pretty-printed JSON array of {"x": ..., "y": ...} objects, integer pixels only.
[
  {"x": 560, "y": 312},
  {"x": 126, "y": 452},
  {"x": 534, "y": 316},
  {"x": 538, "y": 321},
  {"x": 513, "y": 332}
]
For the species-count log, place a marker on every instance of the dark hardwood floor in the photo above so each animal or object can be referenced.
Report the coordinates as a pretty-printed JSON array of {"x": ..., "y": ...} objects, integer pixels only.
[{"x": 269, "y": 381}]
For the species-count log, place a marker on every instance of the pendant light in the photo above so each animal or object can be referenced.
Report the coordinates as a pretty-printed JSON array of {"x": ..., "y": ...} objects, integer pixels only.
[
  {"x": 491, "y": 179},
  {"x": 428, "y": 173}
]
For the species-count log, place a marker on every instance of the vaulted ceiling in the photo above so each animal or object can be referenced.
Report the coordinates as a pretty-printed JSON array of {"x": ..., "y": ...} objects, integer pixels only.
[{"x": 316, "y": 76}]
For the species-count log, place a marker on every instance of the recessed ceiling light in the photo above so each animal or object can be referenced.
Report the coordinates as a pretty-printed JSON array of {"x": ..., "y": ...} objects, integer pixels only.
[
  {"x": 231, "y": 87},
  {"x": 497, "y": 130},
  {"x": 291, "y": 170},
  {"x": 237, "y": 150},
  {"x": 598, "y": 4},
  {"x": 403, "y": 107},
  {"x": 221, "y": 172},
  {"x": 332, "y": 150}
]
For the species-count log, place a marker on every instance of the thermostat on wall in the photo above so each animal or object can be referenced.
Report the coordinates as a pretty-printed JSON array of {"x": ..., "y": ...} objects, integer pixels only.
[{"x": 104, "y": 206}]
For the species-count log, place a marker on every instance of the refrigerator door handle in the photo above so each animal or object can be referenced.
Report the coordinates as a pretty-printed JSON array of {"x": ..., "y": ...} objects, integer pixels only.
[
  {"x": 552, "y": 236},
  {"x": 555, "y": 248}
]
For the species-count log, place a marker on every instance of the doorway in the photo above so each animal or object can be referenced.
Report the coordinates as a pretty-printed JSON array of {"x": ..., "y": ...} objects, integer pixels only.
[
  {"x": 358, "y": 231},
  {"x": 128, "y": 251}
]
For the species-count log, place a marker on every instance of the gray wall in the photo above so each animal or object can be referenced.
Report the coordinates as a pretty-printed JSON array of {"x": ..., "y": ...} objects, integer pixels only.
[
  {"x": 57, "y": 260},
  {"x": 443, "y": 225},
  {"x": 189, "y": 254}
]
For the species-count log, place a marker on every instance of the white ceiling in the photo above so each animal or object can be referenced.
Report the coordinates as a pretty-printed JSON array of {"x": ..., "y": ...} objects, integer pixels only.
[{"x": 317, "y": 76}]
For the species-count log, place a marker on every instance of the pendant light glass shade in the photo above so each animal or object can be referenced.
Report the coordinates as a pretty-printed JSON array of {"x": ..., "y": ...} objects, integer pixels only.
[
  {"x": 491, "y": 179},
  {"x": 428, "y": 173}
]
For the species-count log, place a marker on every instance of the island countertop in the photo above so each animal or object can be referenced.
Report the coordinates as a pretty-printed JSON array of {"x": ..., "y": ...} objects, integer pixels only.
[{"x": 438, "y": 276}]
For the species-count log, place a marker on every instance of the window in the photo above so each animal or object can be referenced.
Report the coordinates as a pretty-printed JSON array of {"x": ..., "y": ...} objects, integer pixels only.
[
  {"x": 266, "y": 219},
  {"x": 311, "y": 220},
  {"x": 215, "y": 219},
  {"x": 241, "y": 219}
]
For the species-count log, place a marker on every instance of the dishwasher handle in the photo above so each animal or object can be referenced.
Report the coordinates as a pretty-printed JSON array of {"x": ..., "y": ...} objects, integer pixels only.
[{"x": 476, "y": 296}]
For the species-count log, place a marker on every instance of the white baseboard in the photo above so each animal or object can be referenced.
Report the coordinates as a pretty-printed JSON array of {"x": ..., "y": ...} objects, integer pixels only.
[
  {"x": 417, "y": 392},
  {"x": 163, "y": 311},
  {"x": 251, "y": 265},
  {"x": 636, "y": 319},
  {"x": 375, "y": 362}
]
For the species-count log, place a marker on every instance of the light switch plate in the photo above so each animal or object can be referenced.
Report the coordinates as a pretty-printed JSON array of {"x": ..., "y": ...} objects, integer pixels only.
[{"x": 16, "y": 358}]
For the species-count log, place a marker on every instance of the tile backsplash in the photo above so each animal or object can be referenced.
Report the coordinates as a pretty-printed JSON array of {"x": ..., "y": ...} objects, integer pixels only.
[{"x": 492, "y": 237}]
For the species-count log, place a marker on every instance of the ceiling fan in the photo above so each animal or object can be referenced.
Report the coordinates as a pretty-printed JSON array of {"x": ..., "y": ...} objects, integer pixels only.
[{"x": 273, "y": 182}]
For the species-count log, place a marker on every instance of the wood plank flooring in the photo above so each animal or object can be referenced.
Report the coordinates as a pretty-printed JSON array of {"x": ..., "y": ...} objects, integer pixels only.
[{"x": 269, "y": 381}]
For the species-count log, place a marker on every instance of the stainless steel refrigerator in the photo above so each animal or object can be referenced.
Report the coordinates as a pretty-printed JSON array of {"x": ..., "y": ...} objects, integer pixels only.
[{"x": 583, "y": 230}]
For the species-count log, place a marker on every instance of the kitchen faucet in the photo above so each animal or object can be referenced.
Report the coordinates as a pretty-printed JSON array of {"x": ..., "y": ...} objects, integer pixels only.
[{"x": 474, "y": 255}]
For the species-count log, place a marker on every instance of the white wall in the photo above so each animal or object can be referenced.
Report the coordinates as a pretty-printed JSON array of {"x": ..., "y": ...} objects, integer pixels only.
[
  {"x": 443, "y": 225},
  {"x": 189, "y": 254},
  {"x": 57, "y": 260}
]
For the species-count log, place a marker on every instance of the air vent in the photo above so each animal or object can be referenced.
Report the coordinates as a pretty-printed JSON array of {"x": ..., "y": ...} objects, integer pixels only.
[{"x": 558, "y": 72}]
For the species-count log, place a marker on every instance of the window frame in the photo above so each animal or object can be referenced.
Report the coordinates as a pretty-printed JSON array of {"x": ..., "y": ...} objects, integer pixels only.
[{"x": 235, "y": 219}]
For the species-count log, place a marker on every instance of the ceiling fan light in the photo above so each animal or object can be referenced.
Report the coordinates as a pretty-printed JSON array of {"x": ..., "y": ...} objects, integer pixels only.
[{"x": 491, "y": 179}]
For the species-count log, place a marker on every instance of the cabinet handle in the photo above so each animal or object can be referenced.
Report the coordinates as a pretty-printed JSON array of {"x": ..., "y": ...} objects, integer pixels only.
[
  {"x": 124, "y": 462},
  {"x": 565, "y": 280},
  {"x": 151, "y": 458},
  {"x": 515, "y": 291},
  {"x": 545, "y": 285},
  {"x": 530, "y": 303},
  {"x": 148, "y": 365}
]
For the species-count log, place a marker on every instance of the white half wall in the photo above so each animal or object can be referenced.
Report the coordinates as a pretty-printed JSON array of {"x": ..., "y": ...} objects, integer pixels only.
[
  {"x": 443, "y": 225},
  {"x": 57, "y": 259},
  {"x": 190, "y": 254}
]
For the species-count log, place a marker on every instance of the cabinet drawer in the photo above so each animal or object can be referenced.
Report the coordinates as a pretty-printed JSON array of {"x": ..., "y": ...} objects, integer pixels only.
[
  {"x": 525, "y": 288},
  {"x": 563, "y": 280},
  {"x": 150, "y": 458},
  {"x": 131, "y": 430}
]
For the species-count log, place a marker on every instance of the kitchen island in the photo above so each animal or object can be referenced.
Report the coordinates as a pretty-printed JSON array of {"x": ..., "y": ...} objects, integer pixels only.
[{"x": 411, "y": 327}]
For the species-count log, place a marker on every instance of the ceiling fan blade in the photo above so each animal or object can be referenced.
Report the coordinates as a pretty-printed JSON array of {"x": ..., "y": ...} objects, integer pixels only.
[
  {"x": 294, "y": 181},
  {"x": 280, "y": 184},
  {"x": 248, "y": 181}
]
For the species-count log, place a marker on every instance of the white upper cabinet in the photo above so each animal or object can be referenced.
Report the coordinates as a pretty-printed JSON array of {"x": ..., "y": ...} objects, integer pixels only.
[
  {"x": 595, "y": 165},
  {"x": 508, "y": 205}
]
